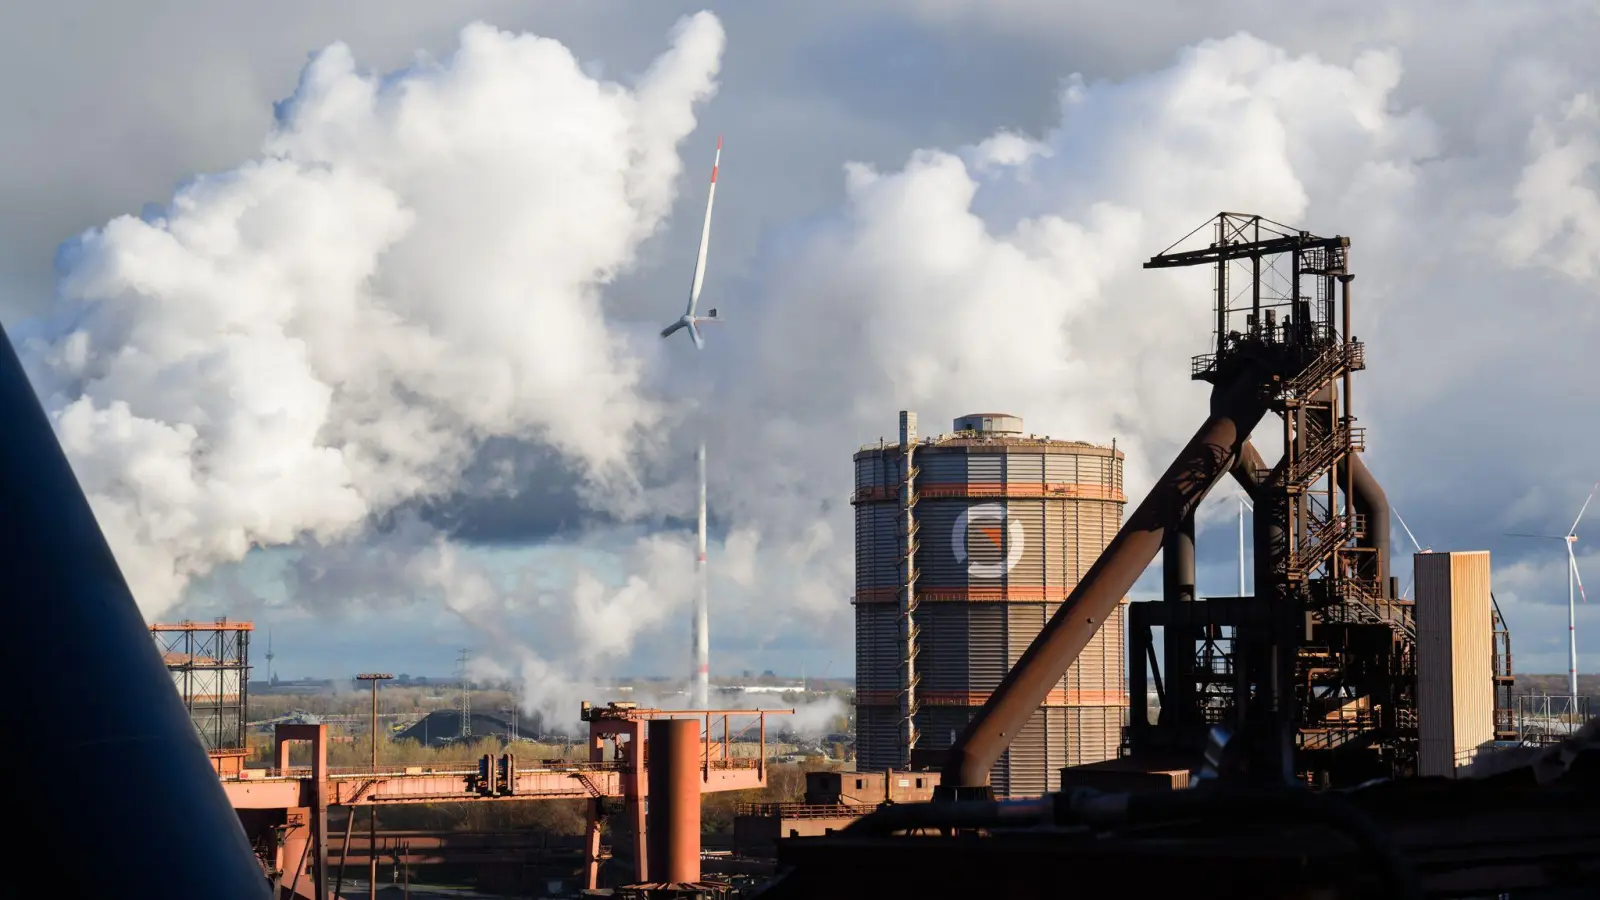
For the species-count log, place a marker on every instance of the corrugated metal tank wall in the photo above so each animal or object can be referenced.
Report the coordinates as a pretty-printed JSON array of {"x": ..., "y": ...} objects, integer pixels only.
[{"x": 1007, "y": 525}]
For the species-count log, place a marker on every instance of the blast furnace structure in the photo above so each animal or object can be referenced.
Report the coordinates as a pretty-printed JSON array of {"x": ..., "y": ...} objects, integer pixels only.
[{"x": 966, "y": 544}]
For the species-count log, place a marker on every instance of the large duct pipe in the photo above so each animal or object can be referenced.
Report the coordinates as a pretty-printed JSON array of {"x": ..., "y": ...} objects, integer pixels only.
[
  {"x": 1206, "y": 458},
  {"x": 132, "y": 781},
  {"x": 1177, "y": 646},
  {"x": 1373, "y": 503},
  {"x": 1369, "y": 500},
  {"x": 1247, "y": 468},
  {"x": 673, "y": 836}
]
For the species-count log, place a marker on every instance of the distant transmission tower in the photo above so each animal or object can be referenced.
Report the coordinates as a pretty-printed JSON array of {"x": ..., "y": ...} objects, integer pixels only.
[
  {"x": 466, "y": 696},
  {"x": 271, "y": 678}
]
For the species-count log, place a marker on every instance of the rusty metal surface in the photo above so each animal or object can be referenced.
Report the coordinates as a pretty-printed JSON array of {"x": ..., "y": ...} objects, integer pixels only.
[
  {"x": 673, "y": 841},
  {"x": 1208, "y": 456}
]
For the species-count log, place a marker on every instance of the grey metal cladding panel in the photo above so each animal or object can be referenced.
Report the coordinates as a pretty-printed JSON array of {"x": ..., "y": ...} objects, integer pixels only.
[
  {"x": 942, "y": 466},
  {"x": 866, "y": 471},
  {"x": 987, "y": 661},
  {"x": 1030, "y": 568},
  {"x": 936, "y": 560},
  {"x": 1024, "y": 467},
  {"x": 1099, "y": 666},
  {"x": 1060, "y": 468},
  {"x": 939, "y": 726},
  {"x": 942, "y": 651},
  {"x": 877, "y": 646},
  {"x": 1024, "y": 621},
  {"x": 1092, "y": 734},
  {"x": 1028, "y": 758},
  {"x": 1057, "y": 539},
  {"x": 1056, "y": 745},
  {"x": 1093, "y": 469},
  {"x": 877, "y": 738},
  {"x": 878, "y": 470},
  {"x": 985, "y": 468},
  {"x": 877, "y": 545}
]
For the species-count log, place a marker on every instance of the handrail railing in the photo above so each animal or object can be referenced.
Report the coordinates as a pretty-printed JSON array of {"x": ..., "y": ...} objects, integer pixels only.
[{"x": 805, "y": 810}]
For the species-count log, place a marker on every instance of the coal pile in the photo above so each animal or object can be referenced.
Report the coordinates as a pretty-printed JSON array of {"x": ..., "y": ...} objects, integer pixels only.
[{"x": 444, "y": 727}]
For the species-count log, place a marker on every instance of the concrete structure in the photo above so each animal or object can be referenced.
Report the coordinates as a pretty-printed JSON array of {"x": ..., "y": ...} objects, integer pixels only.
[
  {"x": 966, "y": 544},
  {"x": 1455, "y": 674}
]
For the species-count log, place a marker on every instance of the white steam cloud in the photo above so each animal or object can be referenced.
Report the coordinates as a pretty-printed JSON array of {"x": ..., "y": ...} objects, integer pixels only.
[
  {"x": 412, "y": 267},
  {"x": 415, "y": 266}
]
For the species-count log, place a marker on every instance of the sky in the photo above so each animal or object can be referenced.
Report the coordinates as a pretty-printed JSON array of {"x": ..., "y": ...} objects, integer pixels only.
[{"x": 347, "y": 313}]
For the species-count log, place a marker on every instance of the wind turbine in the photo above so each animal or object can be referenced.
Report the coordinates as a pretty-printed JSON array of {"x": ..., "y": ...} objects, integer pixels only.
[
  {"x": 701, "y": 690},
  {"x": 1414, "y": 543},
  {"x": 689, "y": 320},
  {"x": 1243, "y": 505},
  {"x": 1574, "y": 590}
]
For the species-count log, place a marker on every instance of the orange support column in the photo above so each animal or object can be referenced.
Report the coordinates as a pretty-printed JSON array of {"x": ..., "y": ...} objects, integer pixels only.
[
  {"x": 638, "y": 756},
  {"x": 317, "y": 735},
  {"x": 674, "y": 801},
  {"x": 591, "y": 842}
]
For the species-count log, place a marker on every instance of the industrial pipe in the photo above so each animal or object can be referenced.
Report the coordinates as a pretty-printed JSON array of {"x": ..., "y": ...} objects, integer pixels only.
[
  {"x": 1177, "y": 646},
  {"x": 1372, "y": 502},
  {"x": 1209, "y": 455},
  {"x": 1369, "y": 500},
  {"x": 1246, "y": 469},
  {"x": 132, "y": 780},
  {"x": 673, "y": 837}
]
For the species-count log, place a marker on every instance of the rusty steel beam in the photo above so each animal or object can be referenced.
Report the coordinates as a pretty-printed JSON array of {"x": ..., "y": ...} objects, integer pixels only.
[
  {"x": 1210, "y": 454},
  {"x": 132, "y": 781},
  {"x": 673, "y": 838}
]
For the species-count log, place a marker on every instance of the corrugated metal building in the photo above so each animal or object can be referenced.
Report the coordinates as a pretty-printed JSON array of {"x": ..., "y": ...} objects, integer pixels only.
[
  {"x": 1005, "y": 525},
  {"x": 1455, "y": 656}
]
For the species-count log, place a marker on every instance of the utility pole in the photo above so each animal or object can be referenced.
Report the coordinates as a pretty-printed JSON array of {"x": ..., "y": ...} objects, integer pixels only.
[{"x": 372, "y": 818}]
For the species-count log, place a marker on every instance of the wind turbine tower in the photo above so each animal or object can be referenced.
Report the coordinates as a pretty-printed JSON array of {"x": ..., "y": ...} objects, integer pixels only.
[
  {"x": 701, "y": 682},
  {"x": 1574, "y": 590}
]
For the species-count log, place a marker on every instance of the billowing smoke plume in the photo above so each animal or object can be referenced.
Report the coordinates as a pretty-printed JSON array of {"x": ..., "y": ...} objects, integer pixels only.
[
  {"x": 416, "y": 264},
  {"x": 412, "y": 266}
]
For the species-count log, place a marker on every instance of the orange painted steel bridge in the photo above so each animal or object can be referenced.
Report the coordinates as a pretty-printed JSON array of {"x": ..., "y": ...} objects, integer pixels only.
[{"x": 284, "y": 808}]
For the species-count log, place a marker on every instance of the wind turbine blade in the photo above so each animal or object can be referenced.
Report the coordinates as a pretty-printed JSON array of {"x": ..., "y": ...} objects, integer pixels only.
[
  {"x": 1573, "y": 559},
  {"x": 1581, "y": 510},
  {"x": 694, "y": 332},
  {"x": 705, "y": 234},
  {"x": 671, "y": 328},
  {"x": 1553, "y": 537},
  {"x": 1403, "y": 524}
]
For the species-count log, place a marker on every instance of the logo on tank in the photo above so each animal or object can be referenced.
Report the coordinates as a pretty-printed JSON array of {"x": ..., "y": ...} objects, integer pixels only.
[{"x": 983, "y": 526}]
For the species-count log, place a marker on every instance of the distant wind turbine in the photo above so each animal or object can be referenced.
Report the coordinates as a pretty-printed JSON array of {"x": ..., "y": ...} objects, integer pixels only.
[
  {"x": 689, "y": 320},
  {"x": 701, "y": 690},
  {"x": 1243, "y": 505},
  {"x": 1574, "y": 590}
]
